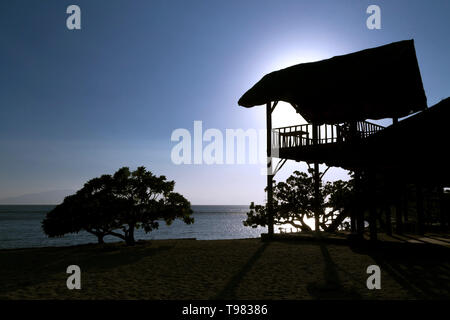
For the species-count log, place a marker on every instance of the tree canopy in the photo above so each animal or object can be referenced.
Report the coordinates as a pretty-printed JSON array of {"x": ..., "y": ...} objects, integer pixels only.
[
  {"x": 294, "y": 202},
  {"x": 119, "y": 204}
]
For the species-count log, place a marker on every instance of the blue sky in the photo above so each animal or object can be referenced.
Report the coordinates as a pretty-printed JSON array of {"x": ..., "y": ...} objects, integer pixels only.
[{"x": 78, "y": 104}]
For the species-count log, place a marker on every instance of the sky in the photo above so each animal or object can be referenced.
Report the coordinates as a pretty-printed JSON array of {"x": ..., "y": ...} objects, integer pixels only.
[{"x": 76, "y": 104}]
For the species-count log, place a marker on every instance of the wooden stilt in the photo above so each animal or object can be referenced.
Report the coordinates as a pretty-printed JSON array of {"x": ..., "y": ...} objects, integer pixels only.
[
  {"x": 420, "y": 210},
  {"x": 353, "y": 221},
  {"x": 405, "y": 206},
  {"x": 269, "y": 169},
  {"x": 317, "y": 196},
  {"x": 442, "y": 210},
  {"x": 372, "y": 205},
  {"x": 388, "y": 220},
  {"x": 399, "y": 213},
  {"x": 398, "y": 219},
  {"x": 316, "y": 182},
  {"x": 358, "y": 204}
]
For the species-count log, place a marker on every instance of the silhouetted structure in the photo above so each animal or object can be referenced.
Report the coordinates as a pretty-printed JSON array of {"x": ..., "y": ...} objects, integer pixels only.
[{"x": 336, "y": 96}]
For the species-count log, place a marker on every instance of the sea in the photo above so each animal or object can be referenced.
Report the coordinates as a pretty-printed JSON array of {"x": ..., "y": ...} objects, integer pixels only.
[{"x": 20, "y": 227}]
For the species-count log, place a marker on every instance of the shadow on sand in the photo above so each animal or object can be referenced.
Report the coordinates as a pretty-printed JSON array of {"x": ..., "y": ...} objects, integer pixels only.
[
  {"x": 19, "y": 270},
  {"x": 332, "y": 287},
  {"x": 229, "y": 291},
  {"x": 424, "y": 273}
]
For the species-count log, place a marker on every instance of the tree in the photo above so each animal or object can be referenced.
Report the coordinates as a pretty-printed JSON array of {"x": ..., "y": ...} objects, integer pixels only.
[
  {"x": 124, "y": 202},
  {"x": 294, "y": 201},
  {"x": 148, "y": 199},
  {"x": 93, "y": 209}
]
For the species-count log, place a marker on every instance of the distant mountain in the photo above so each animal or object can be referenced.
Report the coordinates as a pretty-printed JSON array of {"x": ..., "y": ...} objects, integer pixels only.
[{"x": 47, "y": 197}]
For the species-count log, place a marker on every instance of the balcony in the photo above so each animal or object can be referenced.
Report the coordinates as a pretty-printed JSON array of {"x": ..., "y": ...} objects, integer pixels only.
[{"x": 302, "y": 135}]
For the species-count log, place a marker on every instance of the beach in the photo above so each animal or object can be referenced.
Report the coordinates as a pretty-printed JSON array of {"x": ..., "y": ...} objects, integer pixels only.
[{"x": 221, "y": 269}]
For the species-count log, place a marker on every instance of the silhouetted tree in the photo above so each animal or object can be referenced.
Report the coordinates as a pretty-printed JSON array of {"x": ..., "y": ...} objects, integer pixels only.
[
  {"x": 149, "y": 198},
  {"x": 294, "y": 201},
  {"x": 123, "y": 202},
  {"x": 94, "y": 209}
]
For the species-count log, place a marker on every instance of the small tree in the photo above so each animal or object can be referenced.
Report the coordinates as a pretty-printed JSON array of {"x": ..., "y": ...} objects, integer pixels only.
[
  {"x": 123, "y": 202},
  {"x": 294, "y": 201},
  {"x": 148, "y": 199}
]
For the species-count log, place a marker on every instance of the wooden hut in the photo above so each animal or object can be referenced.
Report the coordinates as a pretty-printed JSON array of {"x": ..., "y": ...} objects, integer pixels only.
[{"x": 336, "y": 97}]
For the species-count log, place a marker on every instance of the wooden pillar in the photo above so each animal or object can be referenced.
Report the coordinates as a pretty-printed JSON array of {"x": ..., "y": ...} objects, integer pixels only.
[
  {"x": 269, "y": 168},
  {"x": 372, "y": 204},
  {"x": 405, "y": 203},
  {"x": 317, "y": 196},
  {"x": 442, "y": 210},
  {"x": 359, "y": 210},
  {"x": 353, "y": 220},
  {"x": 388, "y": 220},
  {"x": 316, "y": 181},
  {"x": 399, "y": 193},
  {"x": 399, "y": 210},
  {"x": 420, "y": 210}
]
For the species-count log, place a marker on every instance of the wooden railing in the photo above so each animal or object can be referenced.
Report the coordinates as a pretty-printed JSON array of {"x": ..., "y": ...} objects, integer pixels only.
[{"x": 302, "y": 135}]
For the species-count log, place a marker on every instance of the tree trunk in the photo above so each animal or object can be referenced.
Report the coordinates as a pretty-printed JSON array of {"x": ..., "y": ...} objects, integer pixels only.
[
  {"x": 98, "y": 234},
  {"x": 129, "y": 239},
  {"x": 337, "y": 221},
  {"x": 100, "y": 238}
]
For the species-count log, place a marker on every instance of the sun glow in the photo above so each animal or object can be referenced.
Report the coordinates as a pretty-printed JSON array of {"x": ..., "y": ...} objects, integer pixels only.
[
  {"x": 285, "y": 115},
  {"x": 289, "y": 228},
  {"x": 288, "y": 59}
]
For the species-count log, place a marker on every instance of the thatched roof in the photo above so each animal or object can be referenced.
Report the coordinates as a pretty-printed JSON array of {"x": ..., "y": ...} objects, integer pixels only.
[{"x": 377, "y": 83}]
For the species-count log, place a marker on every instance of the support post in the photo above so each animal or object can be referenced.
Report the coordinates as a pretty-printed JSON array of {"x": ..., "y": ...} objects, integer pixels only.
[
  {"x": 442, "y": 210},
  {"x": 316, "y": 181},
  {"x": 372, "y": 195},
  {"x": 353, "y": 220},
  {"x": 388, "y": 220},
  {"x": 420, "y": 210},
  {"x": 399, "y": 209},
  {"x": 405, "y": 204},
  {"x": 269, "y": 168},
  {"x": 359, "y": 210}
]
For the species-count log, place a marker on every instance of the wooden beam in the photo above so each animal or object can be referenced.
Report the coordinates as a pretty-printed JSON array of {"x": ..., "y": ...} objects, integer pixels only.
[
  {"x": 279, "y": 166},
  {"x": 323, "y": 173},
  {"x": 273, "y": 106}
]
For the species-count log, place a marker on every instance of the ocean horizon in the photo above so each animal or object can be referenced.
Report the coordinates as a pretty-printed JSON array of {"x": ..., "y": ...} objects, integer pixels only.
[{"x": 20, "y": 227}]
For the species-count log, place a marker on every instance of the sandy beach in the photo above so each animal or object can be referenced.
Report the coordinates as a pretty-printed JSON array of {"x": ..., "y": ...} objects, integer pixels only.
[{"x": 220, "y": 269}]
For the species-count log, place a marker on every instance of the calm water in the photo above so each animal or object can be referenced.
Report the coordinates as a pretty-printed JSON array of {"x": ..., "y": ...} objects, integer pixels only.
[{"x": 20, "y": 227}]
